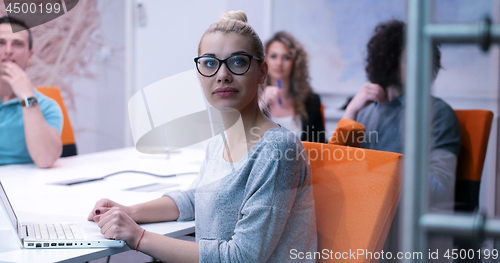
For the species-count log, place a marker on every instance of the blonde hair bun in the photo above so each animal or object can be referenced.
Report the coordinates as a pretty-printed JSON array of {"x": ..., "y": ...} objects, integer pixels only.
[{"x": 234, "y": 15}]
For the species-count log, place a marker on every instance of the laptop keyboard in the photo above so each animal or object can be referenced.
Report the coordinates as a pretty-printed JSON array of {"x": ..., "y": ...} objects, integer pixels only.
[{"x": 57, "y": 231}]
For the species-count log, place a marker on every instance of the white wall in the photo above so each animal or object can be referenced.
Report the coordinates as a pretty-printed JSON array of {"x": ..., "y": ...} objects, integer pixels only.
[
  {"x": 259, "y": 13},
  {"x": 168, "y": 42},
  {"x": 99, "y": 101}
]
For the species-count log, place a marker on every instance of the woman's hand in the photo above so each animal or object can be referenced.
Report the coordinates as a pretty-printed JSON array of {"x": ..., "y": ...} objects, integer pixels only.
[
  {"x": 271, "y": 96},
  {"x": 102, "y": 206},
  {"x": 117, "y": 224},
  {"x": 367, "y": 94}
]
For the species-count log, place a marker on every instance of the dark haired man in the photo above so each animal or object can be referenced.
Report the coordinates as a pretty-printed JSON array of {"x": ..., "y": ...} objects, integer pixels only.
[
  {"x": 378, "y": 110},
  {"x": 30, "y": 123},
  {"x": 379, "y": 107}
]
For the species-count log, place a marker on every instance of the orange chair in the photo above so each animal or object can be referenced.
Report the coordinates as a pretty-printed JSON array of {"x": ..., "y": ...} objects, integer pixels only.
[
  {"x": 348, "y": 133},
  {"x": 356, "y": 193},
  {"x": 475, "y": 128},
  {"x": 67, "y": 136}
]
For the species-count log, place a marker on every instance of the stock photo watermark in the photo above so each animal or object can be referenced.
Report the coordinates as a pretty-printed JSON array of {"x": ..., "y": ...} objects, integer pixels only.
[
  {"x": 36, "y": 12},
  {"x": 365, "y": 254}
]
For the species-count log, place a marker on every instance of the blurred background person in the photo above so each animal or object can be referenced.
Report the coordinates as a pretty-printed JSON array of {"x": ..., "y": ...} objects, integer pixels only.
[
  {"x": 288, "y": 98},
  {"x": 30, "y": 123},
  {"x": 378, "y": 108}
]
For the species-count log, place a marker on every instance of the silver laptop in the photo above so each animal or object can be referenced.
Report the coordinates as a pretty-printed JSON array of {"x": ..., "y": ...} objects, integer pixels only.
[{"x": 55, "y": 234}]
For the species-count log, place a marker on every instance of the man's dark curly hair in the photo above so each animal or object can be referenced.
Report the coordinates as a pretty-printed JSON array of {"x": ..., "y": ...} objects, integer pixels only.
[{"x": 384, "y": 53}]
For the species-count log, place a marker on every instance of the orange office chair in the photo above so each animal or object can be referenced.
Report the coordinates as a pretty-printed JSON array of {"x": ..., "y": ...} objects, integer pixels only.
[
  {"x": 348, "y": 133},
  {"x": 475, "y": 128},
  {"x": 67, "y": 136},
  {"x": 356, "y": 193}
]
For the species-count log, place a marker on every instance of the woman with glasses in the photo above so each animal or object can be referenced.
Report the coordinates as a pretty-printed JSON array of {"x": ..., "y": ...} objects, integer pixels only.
[
  {"x": 253, "y": 199},
  {"x": 288, "y": 97}
]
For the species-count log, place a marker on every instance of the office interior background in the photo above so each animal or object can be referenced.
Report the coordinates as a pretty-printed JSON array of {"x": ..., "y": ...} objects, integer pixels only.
[{"x": 129, "y": 44}]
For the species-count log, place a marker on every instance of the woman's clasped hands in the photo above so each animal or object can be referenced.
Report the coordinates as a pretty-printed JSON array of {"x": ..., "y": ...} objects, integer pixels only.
[{"x": 115, "y": 222}]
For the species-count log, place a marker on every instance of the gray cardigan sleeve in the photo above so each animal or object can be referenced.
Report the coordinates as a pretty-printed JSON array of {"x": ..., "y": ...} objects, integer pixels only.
[
  {"x": 185, "y": 203},
  {"x": 270, "y": 193}
]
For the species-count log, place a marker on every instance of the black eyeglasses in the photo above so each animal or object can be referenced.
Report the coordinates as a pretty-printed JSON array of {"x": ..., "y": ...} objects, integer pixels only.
[{"x": 237, "y": 64}]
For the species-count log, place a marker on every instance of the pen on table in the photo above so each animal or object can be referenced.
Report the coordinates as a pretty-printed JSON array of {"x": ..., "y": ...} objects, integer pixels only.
[{"x": 279, "y": 97}]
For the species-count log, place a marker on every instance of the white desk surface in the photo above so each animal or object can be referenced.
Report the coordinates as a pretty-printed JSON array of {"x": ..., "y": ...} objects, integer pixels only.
[{"x": 33, "y": 197}]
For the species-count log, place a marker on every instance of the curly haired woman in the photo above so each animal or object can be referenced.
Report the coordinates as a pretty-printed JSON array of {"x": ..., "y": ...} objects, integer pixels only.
[{"x": 288, "y": 97}]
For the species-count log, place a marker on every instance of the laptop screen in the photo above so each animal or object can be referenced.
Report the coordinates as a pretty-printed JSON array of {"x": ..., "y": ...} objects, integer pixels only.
[{"x": 8, "y": 208}]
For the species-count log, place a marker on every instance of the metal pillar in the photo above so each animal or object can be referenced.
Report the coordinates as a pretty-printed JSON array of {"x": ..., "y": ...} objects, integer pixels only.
[
  {"x": 416, "y": 127},
  {"x": 416, "y": 222}
]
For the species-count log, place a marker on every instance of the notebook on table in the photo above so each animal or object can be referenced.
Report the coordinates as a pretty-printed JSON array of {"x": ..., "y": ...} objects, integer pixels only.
[{"x": 54, "y": 234}]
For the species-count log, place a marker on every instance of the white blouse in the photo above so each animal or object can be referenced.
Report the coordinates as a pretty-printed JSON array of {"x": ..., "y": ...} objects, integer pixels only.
[{"x": 289, "y": 123}]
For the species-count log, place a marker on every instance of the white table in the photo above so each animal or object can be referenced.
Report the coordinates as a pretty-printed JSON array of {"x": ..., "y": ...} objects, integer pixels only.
[{"x": 34, "y": 197}]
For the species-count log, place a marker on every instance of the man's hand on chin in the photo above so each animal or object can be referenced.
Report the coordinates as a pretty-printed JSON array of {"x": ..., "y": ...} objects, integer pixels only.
[{"x": 17, "y": 78}]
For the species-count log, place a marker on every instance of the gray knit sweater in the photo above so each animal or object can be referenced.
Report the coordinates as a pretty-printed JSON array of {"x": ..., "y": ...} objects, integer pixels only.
[{"x": 257, "y": 209}]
